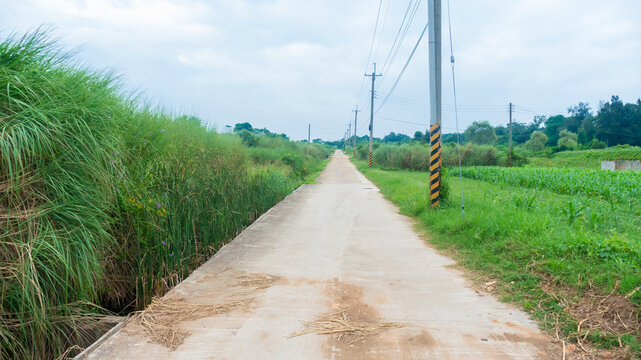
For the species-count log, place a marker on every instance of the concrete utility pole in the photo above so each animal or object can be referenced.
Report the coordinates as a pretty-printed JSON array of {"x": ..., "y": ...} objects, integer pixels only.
[
  {"x": 355, "y": 127},
  {"x": 309, "y": 133},
  {"x": 349, "y": 135},
  {"x": 509, "y": 146},
  {"x": 434, "y": 8},
  {"x": 371, "y": 116},
  {"x": 344, "y": 139}
]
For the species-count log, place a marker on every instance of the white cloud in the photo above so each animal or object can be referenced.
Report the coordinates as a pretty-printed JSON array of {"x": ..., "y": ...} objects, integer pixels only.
[{"x": 286, "y": 63}]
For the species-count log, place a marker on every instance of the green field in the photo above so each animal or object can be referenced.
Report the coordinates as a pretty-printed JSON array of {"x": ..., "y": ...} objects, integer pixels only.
[
  {"x": 586, "y": 159},
  {"x": 106, "y": 202},
  {"x": 619, "y": 187},
  {"x": 560, "y": 253}
]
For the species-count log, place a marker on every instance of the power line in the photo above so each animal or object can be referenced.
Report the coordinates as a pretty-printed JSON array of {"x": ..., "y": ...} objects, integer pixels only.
[
  {"x": 458, "y": 136},
  {"x": 421, "y": 102},
  {"x": 403, "y": 70},
  {"x": 382, "y": 29},
  {"x": 398, "y": 33},
  {"x": 380, "y": 3},
  {"x": 402, "y": 31}
]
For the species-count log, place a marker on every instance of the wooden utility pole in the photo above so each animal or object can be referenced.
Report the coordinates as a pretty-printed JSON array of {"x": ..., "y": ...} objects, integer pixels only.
[
  {"x": 371, "y": 116},
  {"x": 509, "y": 146},
  {"x": 355, "y": 127},
  {"x": 434, "y": 8}
]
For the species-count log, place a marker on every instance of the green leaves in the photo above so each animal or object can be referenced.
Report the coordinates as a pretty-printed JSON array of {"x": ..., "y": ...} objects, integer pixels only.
[{"x": 618, "y": 186}]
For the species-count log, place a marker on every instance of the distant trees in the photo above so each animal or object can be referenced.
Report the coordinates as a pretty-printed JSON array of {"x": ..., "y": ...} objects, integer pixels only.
[
  {"x": 243, "y": 126},
  {"x": 553, "y": 127},
  {"x": 396, "y": 138},
  {"x": 617, "y": 123},
  {"x": 537, "y": 141},
  {"x": 418, "y": 136},
  {"x": 480, "y": 132},
  {"x": 567, "y": 140},
  {"x": 614, "y": 123}
]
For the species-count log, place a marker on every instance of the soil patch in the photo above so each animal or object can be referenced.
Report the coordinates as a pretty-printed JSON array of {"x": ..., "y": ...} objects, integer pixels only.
[
  {"x": 163, "y": 318},
  {"x": 354, "y": 326}
]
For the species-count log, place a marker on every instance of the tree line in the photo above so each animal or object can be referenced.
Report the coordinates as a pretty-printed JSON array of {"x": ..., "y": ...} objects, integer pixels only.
[{"x": 614, "y": 123}]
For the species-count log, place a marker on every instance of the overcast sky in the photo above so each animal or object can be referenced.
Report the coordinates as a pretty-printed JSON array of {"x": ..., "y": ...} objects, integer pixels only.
[{"x": 282, "y": 64}]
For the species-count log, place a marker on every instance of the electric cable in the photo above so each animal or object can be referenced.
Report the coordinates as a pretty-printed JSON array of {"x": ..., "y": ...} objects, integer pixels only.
[
  {"x": 458, "y": 135},
  {"x": 400, "y": 75}
]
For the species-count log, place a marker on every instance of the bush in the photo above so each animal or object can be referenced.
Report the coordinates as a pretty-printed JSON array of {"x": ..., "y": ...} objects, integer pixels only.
[{"x": 597, "y": 144}]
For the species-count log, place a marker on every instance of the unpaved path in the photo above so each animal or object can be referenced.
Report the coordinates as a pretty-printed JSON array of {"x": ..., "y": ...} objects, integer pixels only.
[{"x": 335, "y": 250}]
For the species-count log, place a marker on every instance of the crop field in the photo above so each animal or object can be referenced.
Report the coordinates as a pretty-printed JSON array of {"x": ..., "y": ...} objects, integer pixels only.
[
  {"x": 619, "y": 186},
  {"x": 563, "y": 244}
]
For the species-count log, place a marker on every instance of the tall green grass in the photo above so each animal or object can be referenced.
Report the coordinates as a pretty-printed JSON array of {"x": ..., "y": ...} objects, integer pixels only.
[
  {"x": 106, "y": 203},
  {"x": 415, "y": 156},
  {"x": 549, "y": 252}
]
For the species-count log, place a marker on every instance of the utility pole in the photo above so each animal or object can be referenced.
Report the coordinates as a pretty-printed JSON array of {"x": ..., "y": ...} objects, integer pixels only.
[
  {"x": 349, "y": 135},
  {"x": 344, "y": 139},
  {"x": 355, "y": 127},
  {"x": 509, "y": 146},
  {"x": 309, "y": 133},
  {"x": 434, "y": 8},
  {"x": 371, "y": 116}
]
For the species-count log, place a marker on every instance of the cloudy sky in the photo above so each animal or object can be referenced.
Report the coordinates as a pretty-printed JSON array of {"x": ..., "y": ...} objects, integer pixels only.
[{"x": 283, "y": 64}]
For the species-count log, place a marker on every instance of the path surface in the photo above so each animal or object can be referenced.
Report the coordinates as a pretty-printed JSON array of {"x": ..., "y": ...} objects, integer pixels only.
[{"x": 338, "y": 248}]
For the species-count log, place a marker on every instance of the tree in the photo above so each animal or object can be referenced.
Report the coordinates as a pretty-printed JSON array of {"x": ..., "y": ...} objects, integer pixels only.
[
  {"x": 567, "y": 140},
  {"x": 596, "y": 144},
  {"x": 248, "y": 138},
  {"x": 480, "y": 132},
  {"x": 617, "y": 123},
  {"x": 553, "y": 126},
  {"x": 418, "y": 136},
  {"x": 520, "y": 132},
  {"x": 587, "y": 130},
  {"x": 580, "y": 111},
  {"x": 537, "y": 141},
  {"x": 537, "y": 121},
  {"x": 450, "y": 138},
  {"x": 396, "y": 138},
  {"x": 243, "y": 126}
]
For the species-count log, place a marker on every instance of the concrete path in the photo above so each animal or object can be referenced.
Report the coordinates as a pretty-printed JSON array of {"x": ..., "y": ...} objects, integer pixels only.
[{"x": 333, "y": 251}]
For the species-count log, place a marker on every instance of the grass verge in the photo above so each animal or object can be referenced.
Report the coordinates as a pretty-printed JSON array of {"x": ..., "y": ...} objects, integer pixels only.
[{"x": 578, "y": 277}]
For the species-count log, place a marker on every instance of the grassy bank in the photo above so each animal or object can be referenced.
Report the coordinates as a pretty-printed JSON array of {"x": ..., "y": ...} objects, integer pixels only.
[
  {"x": 105, "y": 203},
  {"x": 586, "y": 159},
  {"x": 572, "y": 261}
]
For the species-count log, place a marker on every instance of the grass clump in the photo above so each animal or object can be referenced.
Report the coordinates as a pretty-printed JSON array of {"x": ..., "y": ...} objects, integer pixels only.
[
  {"x": 416, "y": 156},
  {"x": 106, "y": 203},
  {"x": 571, "y": 260}
]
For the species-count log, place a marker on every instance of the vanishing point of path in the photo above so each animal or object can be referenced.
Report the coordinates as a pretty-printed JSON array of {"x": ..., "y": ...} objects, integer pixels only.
[{"x": 335, "y": 255}]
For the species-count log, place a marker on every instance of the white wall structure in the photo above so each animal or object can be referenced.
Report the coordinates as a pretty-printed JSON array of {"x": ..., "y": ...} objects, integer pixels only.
[{"x": 621, "y": 165}]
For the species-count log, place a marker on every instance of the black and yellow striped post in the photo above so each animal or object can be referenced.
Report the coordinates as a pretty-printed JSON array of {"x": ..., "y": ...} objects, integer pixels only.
[
  {"x": 435, "y": 164},
  {"x": 370, "y": 159}
]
